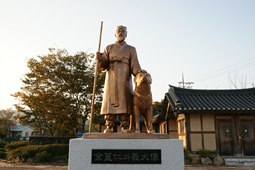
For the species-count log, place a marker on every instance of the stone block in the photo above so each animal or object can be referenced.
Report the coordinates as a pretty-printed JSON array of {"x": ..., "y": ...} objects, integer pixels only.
[
  {"x": 206, "y": 161},
  {"x": 80, "y": 154},
  {"x": 218, "y": 161}
]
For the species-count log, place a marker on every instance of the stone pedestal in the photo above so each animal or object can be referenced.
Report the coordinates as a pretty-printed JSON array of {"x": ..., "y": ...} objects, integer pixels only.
[{"x": 125, "y": 152}]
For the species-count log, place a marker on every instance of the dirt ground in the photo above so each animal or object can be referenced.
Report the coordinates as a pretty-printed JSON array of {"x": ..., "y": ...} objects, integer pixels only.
[
  {"x": 18, "y": 166},
  {"x": 8, "y": 166}
]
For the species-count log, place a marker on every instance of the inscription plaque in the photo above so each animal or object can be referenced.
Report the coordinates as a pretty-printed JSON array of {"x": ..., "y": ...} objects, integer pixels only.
[{"x": 126, "y": 156}]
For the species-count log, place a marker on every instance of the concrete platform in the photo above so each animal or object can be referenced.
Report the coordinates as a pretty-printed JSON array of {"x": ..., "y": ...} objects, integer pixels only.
[
  {"x": 82, "y": 152},
  {"x": 125, "y": 136}
]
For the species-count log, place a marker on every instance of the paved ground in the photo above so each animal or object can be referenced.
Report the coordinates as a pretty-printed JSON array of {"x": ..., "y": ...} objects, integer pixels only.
[
  {"x": 7, "y": 166},
  {"x": 217, "y": 168}
]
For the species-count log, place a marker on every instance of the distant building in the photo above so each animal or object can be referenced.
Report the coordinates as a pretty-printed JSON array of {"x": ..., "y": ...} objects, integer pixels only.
[
  {"x": 20, "y": 131},
  {"x": 217, "y": 120}
]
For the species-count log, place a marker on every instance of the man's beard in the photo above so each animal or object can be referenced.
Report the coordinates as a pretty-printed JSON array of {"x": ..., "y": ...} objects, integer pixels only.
[{"x": 120, "y": 38}]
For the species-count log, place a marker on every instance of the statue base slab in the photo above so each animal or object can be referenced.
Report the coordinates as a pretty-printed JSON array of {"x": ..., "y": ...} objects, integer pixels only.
[{"x": 132, "y": 151}]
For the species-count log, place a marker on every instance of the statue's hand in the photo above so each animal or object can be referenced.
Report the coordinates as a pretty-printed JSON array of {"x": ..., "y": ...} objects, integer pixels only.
[{"x": 99, "y": 56}]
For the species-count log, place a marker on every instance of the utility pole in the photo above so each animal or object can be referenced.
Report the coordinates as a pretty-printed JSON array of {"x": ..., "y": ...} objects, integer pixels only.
[{"x": 185, "y": 85}]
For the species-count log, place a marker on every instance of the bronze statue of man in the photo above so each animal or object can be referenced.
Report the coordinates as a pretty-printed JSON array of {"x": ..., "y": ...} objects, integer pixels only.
[{"x": 120, "y": 62}]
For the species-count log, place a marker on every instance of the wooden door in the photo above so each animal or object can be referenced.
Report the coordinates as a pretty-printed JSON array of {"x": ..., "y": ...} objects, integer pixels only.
[
  {"x": 247, "y": 136},
  {"x": 225, "y": 137}
]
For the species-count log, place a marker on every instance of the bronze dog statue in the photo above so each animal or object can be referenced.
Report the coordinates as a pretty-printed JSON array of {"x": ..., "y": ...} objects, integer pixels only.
[{"x": 143, "y": 101}]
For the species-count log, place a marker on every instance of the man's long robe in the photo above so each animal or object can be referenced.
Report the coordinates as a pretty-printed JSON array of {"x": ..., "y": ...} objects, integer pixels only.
[{"x": 120, "y": 62}]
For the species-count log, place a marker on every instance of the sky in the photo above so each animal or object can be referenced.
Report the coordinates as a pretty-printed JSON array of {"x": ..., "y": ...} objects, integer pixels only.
[{"x": 210, "y": 42}]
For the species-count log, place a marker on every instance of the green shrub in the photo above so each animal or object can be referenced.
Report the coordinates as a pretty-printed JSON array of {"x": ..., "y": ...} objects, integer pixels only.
[
  {"x": 12, "y": 139},
  {"x": 15, "y": 145},
  {"x": 38, "y": 153},
  {"x": 2, "y": 144},
  {"x": 44, "y": 140},
  {"x": 3, "y": 155},
  {"x": 43, "y": 157},
  {"x": 207, "y": 153},
  {"x": 187, "y": 155},
  {"x": 60, "y": 158},
  {"x": 23, "y": 153},
  {"x": 56, "y": 149}
]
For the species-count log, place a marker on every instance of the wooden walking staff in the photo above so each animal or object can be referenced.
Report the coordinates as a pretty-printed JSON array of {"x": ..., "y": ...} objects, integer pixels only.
[{"x": 95, "y": 80}]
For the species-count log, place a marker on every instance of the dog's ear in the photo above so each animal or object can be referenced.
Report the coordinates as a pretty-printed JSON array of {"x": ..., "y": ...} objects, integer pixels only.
[
  {"x": 143, "y": 71},
  {"x": 148, "y": 77}
]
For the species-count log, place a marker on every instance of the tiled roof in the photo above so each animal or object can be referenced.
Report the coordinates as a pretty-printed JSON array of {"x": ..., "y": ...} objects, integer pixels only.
[
  {"x": 211, "y": 100},
  {"x": 18, "y": 128}
]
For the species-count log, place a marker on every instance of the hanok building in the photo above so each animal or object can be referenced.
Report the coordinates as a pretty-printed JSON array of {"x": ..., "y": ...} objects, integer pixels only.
[
  {"x": 20, "y": 131},
  {"x": 217, "y": 120}
]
